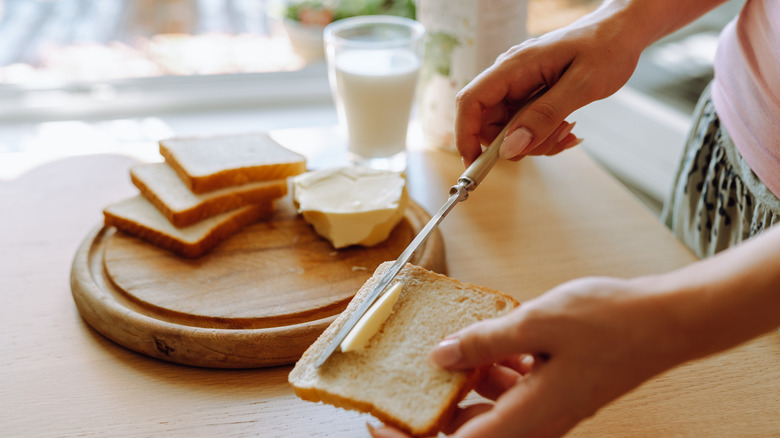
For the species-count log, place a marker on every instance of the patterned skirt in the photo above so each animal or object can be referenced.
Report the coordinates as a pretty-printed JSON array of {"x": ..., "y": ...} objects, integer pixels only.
[{"x": 716, "y": 201}]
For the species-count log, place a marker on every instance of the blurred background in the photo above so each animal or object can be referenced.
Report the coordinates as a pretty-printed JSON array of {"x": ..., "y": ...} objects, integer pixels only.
[
  {"x": 82, "y": 54},
  {"x": 49, "y": 41},
  {"x": 122, "y": 74}
]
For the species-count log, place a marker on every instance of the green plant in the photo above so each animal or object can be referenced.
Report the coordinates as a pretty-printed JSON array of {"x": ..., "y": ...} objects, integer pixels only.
[{"x": 322, "y": 12}]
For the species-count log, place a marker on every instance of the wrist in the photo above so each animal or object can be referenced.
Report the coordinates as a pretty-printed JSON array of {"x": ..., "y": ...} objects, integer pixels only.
[
  {"x": 717, "y": 303},
  {"x": 665, "y": 326},
  {"x": 640, "y": 23}
]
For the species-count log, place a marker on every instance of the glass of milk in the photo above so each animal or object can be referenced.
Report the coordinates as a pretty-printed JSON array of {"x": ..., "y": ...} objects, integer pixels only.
[{"x": 373, "y": 65}]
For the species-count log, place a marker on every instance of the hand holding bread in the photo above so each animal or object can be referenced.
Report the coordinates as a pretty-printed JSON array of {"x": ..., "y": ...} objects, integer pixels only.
[{"x": 558, "y": 358}]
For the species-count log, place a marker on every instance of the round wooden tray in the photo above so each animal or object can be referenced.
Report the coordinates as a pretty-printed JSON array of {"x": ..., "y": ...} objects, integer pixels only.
[{"x": 258, "y": 299}]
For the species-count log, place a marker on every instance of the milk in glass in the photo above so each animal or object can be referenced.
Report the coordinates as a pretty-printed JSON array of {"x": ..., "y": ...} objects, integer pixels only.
[{"x": 375, "y": 93}]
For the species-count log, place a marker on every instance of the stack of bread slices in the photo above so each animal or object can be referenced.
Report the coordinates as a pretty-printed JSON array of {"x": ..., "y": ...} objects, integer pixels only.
[{"x": 207, "y": 189}]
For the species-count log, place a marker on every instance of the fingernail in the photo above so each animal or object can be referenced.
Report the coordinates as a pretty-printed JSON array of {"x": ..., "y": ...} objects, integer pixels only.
[
  {"x": 576, "y": 142},
  {"x": 515, "y": 143},
  {"x": 446, "y": 353},
  {"x": 566, "y": 131}
]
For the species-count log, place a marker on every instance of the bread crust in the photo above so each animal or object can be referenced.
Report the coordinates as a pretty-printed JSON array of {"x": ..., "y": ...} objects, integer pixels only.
[
  {"x": 157, "y": 233},
  {"x": 191, "y": 207},
  {"x": 450, "y": 407},
  {"x": 308, "y": 382},
  {"x": 260, "y": 157}
]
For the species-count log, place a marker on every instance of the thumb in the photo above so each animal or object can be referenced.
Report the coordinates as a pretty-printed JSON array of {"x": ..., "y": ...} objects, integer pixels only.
[{"x": 483, "y": 343}]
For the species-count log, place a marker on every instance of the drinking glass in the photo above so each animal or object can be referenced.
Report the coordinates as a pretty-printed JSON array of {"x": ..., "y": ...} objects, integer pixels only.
[{"x": 373, "y": 65}]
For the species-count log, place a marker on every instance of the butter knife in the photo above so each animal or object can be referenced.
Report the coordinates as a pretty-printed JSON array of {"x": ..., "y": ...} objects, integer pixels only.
[{"x": 468, "y": 181}]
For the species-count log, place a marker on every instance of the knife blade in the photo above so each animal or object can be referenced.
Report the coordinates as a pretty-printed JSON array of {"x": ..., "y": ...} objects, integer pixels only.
[{"x": 468, "y": 181}]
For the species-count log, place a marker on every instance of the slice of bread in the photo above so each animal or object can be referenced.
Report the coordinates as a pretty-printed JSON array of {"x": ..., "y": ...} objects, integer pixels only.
[
  {"x": 211, "y": 163},
  {"x": 162, "y": 187},
  {"x": 391, "y": 377},
  {"x": 137, "y": 216}
]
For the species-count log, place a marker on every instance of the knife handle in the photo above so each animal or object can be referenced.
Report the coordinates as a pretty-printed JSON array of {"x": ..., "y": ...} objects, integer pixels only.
[
  {"x": 479, "y": 169},
  {"x": 485, "y": 161}
]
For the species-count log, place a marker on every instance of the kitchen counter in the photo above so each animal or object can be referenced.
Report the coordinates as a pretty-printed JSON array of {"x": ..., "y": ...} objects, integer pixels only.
[{"x": 530, "y": 226}]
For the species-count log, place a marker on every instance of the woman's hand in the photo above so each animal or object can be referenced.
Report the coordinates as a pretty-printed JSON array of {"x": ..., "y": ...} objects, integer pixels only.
[
  {"x": 557, "y": 359},
  {"x": 576, "y": 65}
]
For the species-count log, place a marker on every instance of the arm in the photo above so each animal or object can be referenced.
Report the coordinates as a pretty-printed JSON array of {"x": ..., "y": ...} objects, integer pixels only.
[
  {"x": 722, "y": 301},
  {"x": 650, "y": 324},
  {"x": 586, "y": 61}
]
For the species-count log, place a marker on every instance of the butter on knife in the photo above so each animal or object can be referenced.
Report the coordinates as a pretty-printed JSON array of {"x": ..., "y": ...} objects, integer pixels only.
[{"x": 372, "y": 320}]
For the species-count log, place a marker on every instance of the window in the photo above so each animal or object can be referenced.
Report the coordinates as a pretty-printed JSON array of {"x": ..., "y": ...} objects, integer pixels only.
[
  {"x": 80, "y": 57},
  {"x": 72, "y": 58}
]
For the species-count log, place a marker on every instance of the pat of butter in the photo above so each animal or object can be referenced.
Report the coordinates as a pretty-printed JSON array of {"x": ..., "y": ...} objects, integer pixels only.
[
  {"x": 373, "y": 319},
  {"x": 351, "y": 205}
]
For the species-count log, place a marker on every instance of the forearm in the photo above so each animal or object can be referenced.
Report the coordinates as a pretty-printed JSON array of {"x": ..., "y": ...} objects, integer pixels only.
[
  {"x": 642, "y": 22},
  {"x": 720, "y": 302}
]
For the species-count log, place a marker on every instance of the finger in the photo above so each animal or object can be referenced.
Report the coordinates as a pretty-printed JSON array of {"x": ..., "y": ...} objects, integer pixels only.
[
  {"x": 463, "y": 415},
  {"x": 489, "y": 89},
  {"x": 497, "y": 421},
  {"x": 532, "y": 407},
  {"x": 551, "y": 144},
  {"x": 569, "y": 142},
  {"x": 540, "y": 119},
  {"x": 493, "y": 121},
  {"x": 385, "y": 432},
  {"x": 522, "y": 363},
  {"x": 496, "y": 381},
  {"x": 474, "y": 99},
  {"x": 526, "y": 364},
  {"x": 486, "y": 342}
]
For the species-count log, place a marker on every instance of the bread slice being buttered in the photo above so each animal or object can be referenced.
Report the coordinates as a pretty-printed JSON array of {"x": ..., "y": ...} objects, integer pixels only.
[
  {"x": 391, "y": 377},
  {"x": 211, "y": 163}
]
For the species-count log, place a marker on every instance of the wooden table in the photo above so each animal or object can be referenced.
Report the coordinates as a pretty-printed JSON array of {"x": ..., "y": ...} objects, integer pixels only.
[{"x": 529, "y": 227}]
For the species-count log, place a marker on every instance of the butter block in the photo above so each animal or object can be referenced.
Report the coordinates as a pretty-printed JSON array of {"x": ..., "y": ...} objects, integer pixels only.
[{"x": 351, "y": 205}]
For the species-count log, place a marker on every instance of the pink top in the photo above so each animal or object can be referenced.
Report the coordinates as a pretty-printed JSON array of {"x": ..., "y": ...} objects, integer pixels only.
[{"x": 746, "y": 90}]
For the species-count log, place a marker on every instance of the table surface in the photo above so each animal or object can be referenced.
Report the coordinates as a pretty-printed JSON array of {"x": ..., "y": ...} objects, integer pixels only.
[{"x": 530, "y": 226}]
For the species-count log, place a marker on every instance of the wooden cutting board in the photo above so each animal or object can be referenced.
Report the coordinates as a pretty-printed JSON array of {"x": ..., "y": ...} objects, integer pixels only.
[{"x": 260, "y": 298}]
